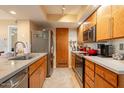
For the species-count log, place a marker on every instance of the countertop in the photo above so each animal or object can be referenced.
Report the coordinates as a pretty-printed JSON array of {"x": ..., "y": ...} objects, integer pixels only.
[
  {"x": 116, "y": 66},
  {"x": 8, "y": 68}
]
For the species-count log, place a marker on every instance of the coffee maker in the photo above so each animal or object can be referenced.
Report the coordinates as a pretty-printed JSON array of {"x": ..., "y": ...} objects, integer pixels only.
[{"x": 105, "y": 50}]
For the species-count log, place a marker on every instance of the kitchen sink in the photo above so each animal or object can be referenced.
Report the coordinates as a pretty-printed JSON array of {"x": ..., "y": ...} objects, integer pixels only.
[{"x": 23, "y": 57}]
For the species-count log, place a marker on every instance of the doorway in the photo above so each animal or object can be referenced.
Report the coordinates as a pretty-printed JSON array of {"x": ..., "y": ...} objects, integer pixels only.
[
  {"x": 12, "y": 37},
  {"x": 61, "y": 47}
]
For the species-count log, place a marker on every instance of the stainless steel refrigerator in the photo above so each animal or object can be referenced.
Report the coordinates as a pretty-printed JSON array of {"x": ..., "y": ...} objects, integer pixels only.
[{"x": 42, "y": 41}]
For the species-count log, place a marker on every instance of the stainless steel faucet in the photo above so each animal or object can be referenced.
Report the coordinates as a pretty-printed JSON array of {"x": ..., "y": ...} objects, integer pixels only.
[{"x": 16, "y": 45}]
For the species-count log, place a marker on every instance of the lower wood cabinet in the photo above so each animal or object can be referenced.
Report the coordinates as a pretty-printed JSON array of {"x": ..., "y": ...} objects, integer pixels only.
[
  {"x": 34, "y": 80},
  {"x": 89, "y": 74},
  {"x": 73, "y": 60},
  {"x": 89, "y": 82},
  {"x": 107, "y": 75},
  {"x": 86, "y": 85},
  {"x": 101, "y": 83},
  {"x": 97, "y": 76},
  {"x": 37, "y": 73}
]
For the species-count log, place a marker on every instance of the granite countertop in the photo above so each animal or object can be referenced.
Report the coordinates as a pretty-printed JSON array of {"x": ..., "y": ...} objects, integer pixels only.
[
  {"x": 8, "y": 68},
  {"x": 116, "y": 66}
]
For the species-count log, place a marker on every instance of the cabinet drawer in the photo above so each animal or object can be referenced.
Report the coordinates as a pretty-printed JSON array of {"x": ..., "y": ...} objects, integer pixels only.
[
  {"x": 107, "y": 75},
  {"x": 90, "y": 64},
  {"x": 101, "y": 83},
  {"x": 86, "y": 85},
  {"x": 89, "y": 81},
  {"x": 35, "y": 65},
  {"x": 89, "y": 72},
  {"x": 45, "y": 58}
]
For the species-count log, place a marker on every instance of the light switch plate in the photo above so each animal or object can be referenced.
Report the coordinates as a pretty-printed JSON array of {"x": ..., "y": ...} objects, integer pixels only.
[{"x": 121, "y": 46}]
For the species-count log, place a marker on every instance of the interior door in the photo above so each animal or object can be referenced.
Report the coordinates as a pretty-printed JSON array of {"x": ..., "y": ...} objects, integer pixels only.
[{"x": 62, "y": 47}]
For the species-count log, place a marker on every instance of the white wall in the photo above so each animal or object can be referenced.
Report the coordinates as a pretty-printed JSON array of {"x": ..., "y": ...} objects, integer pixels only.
[
  {"x": 116, "y": 44},
  {"x": 54, "y": 37},
  {"x": 23, "y": 33},
  {"x": 72, "y": 36},
  {"x": 4, "y": 33}
]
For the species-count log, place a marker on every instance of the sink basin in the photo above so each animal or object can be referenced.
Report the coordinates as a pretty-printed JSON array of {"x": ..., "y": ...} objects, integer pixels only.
[{"x": 24, "y": 57}]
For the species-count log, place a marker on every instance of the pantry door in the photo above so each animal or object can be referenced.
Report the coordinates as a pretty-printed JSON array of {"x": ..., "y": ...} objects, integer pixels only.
[{"x": 62, "y": 47}]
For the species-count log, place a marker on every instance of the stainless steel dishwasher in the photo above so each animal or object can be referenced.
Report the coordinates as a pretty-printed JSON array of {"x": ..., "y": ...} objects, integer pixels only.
[{"x": 19, "y": 80}]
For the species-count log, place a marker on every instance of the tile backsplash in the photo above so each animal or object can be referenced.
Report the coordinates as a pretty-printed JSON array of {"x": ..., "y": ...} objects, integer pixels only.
[{"x": 116, "y": 44}]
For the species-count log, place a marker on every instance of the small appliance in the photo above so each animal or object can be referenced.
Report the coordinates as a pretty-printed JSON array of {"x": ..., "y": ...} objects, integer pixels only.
[{"x": 105, "y": 50}]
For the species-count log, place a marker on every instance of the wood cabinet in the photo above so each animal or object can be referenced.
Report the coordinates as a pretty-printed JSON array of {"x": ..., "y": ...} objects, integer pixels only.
[
  {"x": 105, "y": 78},
  {"x": 104, "y": 29},
  {"x": 80, "y": 33},
  {"x": 34, "y": 80},
  {"x": 73, "y": 60},
  {"x": 100, "y": 77},
  {"x": 101, "y": 83},
  {"x": 91, "y": 21},
  {"x": 86, "y": 85},
  {"x": 109, "y": 76},
  {"x": 118, "y": 20},
  {"x": 89, "y": 74},
  {"x": 37, "y": 73}
]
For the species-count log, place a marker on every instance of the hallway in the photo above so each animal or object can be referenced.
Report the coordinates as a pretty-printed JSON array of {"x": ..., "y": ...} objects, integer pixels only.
[{"x": 61, "y": 78}]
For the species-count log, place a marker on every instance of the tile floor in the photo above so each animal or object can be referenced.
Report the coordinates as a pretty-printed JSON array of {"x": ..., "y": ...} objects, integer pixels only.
[{"x": 61, "y": 78}]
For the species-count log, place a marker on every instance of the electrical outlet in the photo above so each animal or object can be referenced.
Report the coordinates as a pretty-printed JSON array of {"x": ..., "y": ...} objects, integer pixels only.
[{"x": 121, "y": 46}]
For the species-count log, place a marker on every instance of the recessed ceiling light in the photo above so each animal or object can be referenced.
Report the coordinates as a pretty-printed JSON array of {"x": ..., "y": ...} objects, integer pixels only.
[
  {"x": 63, "y": 7},
  {"x": 12, "y": 12}
]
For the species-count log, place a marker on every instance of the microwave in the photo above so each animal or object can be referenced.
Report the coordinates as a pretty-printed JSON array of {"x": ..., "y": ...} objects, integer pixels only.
[{"x": 90, "y": 35}]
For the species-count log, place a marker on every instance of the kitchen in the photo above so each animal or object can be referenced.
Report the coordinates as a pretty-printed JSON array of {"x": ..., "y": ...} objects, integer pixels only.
[{"x": 61, "y": 46}]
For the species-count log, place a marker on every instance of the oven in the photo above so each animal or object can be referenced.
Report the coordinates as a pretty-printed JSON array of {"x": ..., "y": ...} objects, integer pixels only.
[{"x": 79, "y": 69}]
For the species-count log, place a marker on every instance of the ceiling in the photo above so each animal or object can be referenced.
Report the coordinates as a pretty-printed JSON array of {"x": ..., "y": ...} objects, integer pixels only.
[
  {"x": 48, "y": 14},
  {"x": 32, "y": 12},
  {"x": 57, "y": 9}
]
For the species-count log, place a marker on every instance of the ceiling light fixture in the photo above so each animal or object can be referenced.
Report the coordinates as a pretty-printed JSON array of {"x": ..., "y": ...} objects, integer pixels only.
[
  {"x": 12, "y": 12},
  {"x": 63, "y": 9}
]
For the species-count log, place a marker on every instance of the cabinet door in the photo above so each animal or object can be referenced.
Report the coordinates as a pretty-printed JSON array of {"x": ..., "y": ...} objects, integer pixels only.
[
  {"x": 104, "y": 23},
  {"x": 101, "y": 83},
  {"x": 34, "y": 79},
  {"x": 118, "y": 18},
  {"x": 42, "y": 72},
  {"x": 41, "y": 75},
  {"x": 80, "y": 33},
  {"x": 73, "y": 61},
  {"x": 92, "y": 20}
]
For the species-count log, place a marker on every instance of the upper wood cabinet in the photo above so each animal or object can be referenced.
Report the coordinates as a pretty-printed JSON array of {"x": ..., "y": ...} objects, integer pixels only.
[
  {"x": 118, "y": 20},
  {"x": 80, "y": 33},
  {"x": 91, "y": 20},
  {"x": 104, "y": 30}
]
